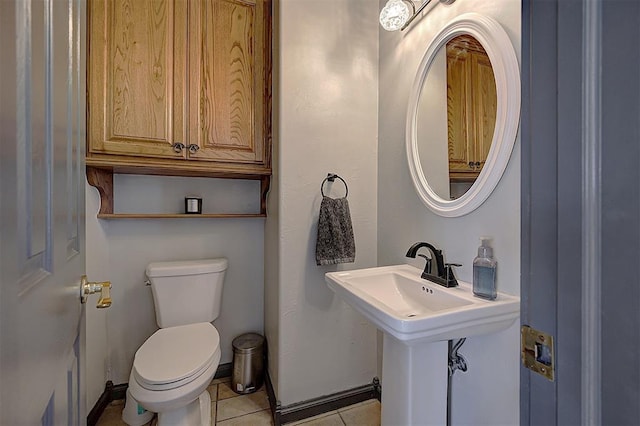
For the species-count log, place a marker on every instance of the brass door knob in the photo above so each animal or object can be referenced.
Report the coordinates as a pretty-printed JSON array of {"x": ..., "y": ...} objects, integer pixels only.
[{"x": 87, "y": 288}]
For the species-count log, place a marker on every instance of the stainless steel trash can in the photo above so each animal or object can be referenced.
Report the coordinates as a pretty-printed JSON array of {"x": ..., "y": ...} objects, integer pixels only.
[{"x": 248, "y": 363}]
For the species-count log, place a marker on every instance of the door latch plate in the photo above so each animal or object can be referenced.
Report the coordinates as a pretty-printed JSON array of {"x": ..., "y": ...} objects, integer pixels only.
[{"x": 537, "y": 351}]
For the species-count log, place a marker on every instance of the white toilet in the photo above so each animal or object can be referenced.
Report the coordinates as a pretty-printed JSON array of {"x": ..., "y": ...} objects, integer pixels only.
[{"x": 172, "y": 369}]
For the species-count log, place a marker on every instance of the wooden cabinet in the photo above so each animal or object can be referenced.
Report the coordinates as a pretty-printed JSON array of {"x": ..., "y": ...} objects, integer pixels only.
[
  {"x": 228, "y": 101},
  {"x": 471, "y": 107},
  {"x": 180, "y": 87},
  {"x": 137, "y": 78}
]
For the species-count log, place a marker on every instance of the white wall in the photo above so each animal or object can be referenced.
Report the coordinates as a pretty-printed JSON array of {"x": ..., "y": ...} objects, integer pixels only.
[
  {"x": 272, "y": 223},
  {"x": 432, "y": 129},
  {"x": 97, "y": 267},
  {"x": 489, "y": 392},
  {"x": 325, "y": 109},
  {"x": 119, "y": 250}
]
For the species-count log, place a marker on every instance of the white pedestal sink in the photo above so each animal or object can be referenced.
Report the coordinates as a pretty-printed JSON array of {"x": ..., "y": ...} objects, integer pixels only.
[{"x": 418, "y": 317}]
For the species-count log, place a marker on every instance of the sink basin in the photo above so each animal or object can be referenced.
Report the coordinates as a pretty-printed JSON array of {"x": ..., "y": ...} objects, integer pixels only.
[{"x": 413, "y": 310}]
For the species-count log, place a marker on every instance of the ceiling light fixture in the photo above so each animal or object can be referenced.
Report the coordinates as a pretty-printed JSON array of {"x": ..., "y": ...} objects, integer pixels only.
[{"x": 398, "y": 14}]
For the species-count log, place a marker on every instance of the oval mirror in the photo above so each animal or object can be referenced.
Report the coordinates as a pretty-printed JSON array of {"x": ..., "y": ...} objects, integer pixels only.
[{"x": 463, "y": 115}]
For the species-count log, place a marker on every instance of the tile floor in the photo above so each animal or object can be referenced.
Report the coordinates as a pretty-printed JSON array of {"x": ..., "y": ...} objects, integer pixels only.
[{"x": 231, "y": 409}]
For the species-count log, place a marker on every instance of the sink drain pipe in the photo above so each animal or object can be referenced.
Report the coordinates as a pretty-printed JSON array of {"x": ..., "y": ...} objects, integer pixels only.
[{"x": 456, "y": 362}]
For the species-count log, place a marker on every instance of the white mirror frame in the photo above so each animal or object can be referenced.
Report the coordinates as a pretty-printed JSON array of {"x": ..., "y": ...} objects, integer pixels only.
[{"x": 504, "y": 61}]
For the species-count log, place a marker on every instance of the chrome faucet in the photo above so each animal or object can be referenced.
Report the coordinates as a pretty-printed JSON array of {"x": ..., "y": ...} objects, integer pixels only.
[{"x": 444, "y": 271}]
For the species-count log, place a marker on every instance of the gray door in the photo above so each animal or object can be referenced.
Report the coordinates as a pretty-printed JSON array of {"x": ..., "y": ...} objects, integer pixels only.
[
  {"x": 42, "y": 116},
  {"x": 581, "y": 208}
]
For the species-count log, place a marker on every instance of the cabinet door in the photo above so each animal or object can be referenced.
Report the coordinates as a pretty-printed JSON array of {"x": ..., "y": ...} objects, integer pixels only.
[
  {"x": 228, "y": 48},
  {"x": 459, "y": 111},
  {"x": 137, "y": 78},
  {"x": 471, "y": 106},
  {"x": 485, "y": 102}
]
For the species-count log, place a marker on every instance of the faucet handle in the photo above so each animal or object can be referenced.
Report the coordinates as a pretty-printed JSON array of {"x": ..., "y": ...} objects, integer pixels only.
[{"x": 449, "y": 275}]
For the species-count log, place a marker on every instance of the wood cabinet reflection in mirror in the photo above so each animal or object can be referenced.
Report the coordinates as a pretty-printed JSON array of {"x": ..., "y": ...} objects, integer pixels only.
[{"x": 471, "y": 107}]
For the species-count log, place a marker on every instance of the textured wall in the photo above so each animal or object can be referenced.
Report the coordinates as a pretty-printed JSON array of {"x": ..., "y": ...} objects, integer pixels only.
[
  {"x": 272, "y": 223},
  {"x": 325, "y": 101},
  {"x": 480, "y": 396},
  {"x": 98, "y": 267}
]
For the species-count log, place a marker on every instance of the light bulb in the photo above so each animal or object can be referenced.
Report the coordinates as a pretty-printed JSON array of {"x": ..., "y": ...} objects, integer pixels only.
[{"x": 395, "y": 14}]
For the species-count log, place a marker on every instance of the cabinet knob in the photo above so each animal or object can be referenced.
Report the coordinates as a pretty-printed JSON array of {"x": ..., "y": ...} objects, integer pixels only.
[
  {"x": 471, "y": 164},
  {"x": 178, "y": 147},
  {"x": 193, "y": 148}
]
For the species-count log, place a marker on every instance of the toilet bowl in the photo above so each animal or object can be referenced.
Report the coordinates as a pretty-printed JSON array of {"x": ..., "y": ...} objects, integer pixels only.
[{"x": 173, "y": 368}]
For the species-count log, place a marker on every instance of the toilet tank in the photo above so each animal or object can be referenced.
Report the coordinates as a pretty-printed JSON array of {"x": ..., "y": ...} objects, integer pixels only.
[{"x": 187, "y": 292}]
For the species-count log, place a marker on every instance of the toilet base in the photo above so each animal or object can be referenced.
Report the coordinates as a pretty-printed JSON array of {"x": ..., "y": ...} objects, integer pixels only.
[
  {"x": 196, "y": 413},
  {"x": 134, "y": 414}
]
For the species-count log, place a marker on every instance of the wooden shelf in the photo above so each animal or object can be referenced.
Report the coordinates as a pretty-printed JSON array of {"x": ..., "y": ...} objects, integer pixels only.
[
  {"x": 102, "y": 180},
  {"x": 178, "y": 215},
  {"x": 123, "y": 164}
]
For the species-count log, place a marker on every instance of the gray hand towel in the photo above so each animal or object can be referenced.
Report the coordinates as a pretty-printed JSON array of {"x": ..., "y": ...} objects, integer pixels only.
[{"x": 335, "y": 243}]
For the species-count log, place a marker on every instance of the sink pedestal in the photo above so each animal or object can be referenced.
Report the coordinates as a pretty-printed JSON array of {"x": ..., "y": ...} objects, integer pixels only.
[
  {"x": 418, "y": 319},
  {"x": 414, "y": 383}
]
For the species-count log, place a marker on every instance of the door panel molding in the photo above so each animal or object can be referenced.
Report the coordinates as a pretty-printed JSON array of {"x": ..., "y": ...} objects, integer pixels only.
[
  {"x": 73, "y": 159},
  {"x": 539, "y": 195},
  {"x": 591, "y": 215},
  {"x": 34, "y": 141}
]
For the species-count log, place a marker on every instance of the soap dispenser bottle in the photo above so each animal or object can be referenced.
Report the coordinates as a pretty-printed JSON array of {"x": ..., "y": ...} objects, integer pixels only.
[{"x": 484, "y": 271}]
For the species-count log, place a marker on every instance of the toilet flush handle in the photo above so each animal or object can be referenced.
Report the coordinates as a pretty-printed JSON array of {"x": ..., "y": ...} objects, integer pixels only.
[{"x": 104, "y": 288}]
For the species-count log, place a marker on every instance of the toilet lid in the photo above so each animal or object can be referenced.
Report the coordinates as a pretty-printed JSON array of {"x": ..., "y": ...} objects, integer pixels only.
[{"x": 176, "y": 354}]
